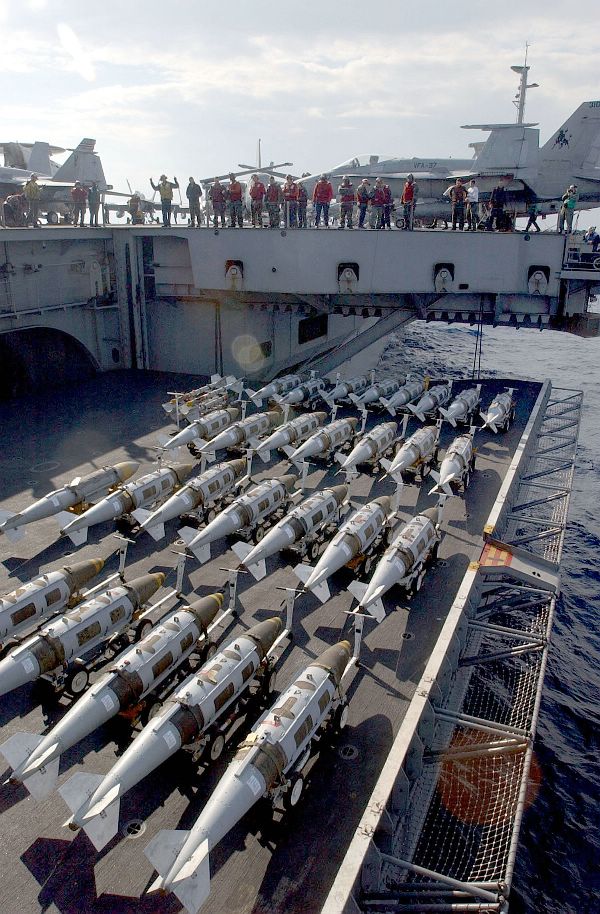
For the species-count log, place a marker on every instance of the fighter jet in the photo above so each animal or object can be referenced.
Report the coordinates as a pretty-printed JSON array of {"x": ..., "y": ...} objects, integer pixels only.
[
  {"x": 200, "y": 494},
  {"x": 403, "y": 396},
  {"x": 304, "y": 527},
  {"x": 456, "y": 467},
  {"x": 463, "y": 406},
  {"x": 270, "y": 763},
  {"x": 55, "y": 648},
  {"x": 45, "y": 596},
  {"x": 196, "y": 714},
  {"x": 133, "y": 676},
  {"x": 404, "y": 562},
  {"x": 290, "y": 433},
  {"x": 432, "y": 399},
  {"x": 322, "y": 444},
  {"x": 21, "y": 160},
  {"x": 416, "y": 455},
  {"x": 146, "y": 490},
  {"x": 371, "y": 448},
  {"x": 358, "y": 537},
  {"x": 501, "y": 412},
  {"x": 77, "y": 493},
  {"x": 343, "y": 389},
  {"x": 377, "y": 392},
  {"x": 248, "y": 512},
  {"x": 200, "y": 431}
]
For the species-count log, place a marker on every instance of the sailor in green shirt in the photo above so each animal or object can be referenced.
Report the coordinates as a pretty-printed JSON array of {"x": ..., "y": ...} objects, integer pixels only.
[
  {"x": 32, "y": 191},
  {"x": 567, "y": 210}
]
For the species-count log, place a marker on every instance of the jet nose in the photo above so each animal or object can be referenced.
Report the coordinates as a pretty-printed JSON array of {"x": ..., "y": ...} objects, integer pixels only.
[
  {"x": 182, "y": 470},
  {"x": 206, "y": 608},
  {"x": 265, "y": 633},
  {"x": 335, "y": 659},
  {"x": 288, "y": 481},
  {"x": 126, "y": 469},
  {"x": 80, "y": 573},
  {"x": 339, "y": 493},
  {"x": 234, "y": 413},
  {"x": 144, "y": 587}
]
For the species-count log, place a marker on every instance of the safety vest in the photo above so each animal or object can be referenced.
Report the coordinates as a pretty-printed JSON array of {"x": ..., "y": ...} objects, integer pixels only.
[
  {"x": 257, "y": 191},
  {"x": 273, "y": 193},
  {"x": 346, "y": 192}
]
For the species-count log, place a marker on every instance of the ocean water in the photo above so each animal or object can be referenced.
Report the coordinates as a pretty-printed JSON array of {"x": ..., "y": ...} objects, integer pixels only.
[{"x": 558, "y": 861}]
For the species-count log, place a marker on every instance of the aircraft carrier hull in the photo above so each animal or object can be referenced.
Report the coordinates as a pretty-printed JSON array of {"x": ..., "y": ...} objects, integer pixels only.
[{"x": 264, "y": 864}]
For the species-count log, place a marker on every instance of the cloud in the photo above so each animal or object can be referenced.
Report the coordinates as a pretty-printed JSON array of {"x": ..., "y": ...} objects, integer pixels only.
[{"x": 80, "y": 58}]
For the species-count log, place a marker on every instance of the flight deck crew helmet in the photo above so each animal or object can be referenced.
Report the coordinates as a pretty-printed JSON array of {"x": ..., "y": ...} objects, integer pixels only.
[{"x": 163, "y": 177}]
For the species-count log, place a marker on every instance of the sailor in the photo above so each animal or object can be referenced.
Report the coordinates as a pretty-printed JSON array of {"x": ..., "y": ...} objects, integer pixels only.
[
  {"x": 14, "y": 210},
  {"x": 532, "y": 211},
  {"x": 346, "y": 195},
  {"x": 567, "y": 209},
  {"x": 592, "y": 237},
  {"x": 193, "y": 192},
  {"x": 165, "y": 189},
  {"x": 79, "y": 197},
  {"x": 94, "y": 203},
  {"x": 302, "y": 203},
  {"x": 216, "y": 195},
  {"x": 457, "y": 194},
  {"x": 409, "y": 201},
  {"x": 273, "y": 197},
  {"x": 134, "y": 208},
  {"x": 377, "y": 203},
  {"x": 472, "y": 206},
  {"x": 257, "y": 195},
  {"x": 290, "y": 200},
  {"x": 234, "y": 194},
  {"x": 32, "y": 191},
  {"x": 322, "y": 197},
  {"x": 497, "y": 203},
  {"x": 388, "y": 202},
  {"x": 363, "y": 196}
]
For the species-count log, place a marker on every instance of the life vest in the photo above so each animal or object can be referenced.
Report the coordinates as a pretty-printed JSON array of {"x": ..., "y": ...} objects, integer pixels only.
[
  {"x": 235, "y": 191},
  {"x": 378, "y": 198},
  {"x": 408, "y": 194},
  {"x": 363, "y": 194},
  {"x": 273, "y": 193},
  {"x": 290, "y": 192},
  {"x": 346, "y": 192},
  {"x": 257, "y": 191},
  {"x": 217, "y": 194},
  {"x": 387, "y": 195},
  {"x": 323, "y": 192}
]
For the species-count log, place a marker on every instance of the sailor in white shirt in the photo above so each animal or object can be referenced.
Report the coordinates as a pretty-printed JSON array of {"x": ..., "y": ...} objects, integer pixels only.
[{"x": 472, "y": 206}]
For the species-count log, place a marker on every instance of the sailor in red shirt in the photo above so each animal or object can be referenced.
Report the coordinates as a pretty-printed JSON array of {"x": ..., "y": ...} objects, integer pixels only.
[
  {"x": 234, "y": 194},
  {"x": 377, "y": 204},
  {"x": 409, "y": 201},
  {"x": 257, "y": 195},
  {"x": 346, "y": 195},
  {"x": 388, "y": 200},
  {"x": 274, "y": 198},
  {"x": 79, "y": 197},
  {"x": 216, "y": 195},
  {"x": 322, "y": 197},
  {"x": 290, "y": 202}
]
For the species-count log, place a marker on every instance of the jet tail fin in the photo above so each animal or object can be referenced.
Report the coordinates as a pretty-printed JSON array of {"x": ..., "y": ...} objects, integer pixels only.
[
  {"x": 83, "y": 165},
  {"x": 577, "y": 142},
  {"x": 39, "y": 158},
  {"x": 101, "y": 821},
  {"x": 191, "y": 885}
]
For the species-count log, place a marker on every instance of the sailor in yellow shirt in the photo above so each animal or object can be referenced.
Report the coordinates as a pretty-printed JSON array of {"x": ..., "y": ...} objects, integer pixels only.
[
  {"x": 165, "y": 189},
  {"x": 32, "y": 191}
]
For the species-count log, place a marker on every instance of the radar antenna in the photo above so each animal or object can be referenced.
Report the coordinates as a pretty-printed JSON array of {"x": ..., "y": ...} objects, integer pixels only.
[{"x": 520, "y": 97}]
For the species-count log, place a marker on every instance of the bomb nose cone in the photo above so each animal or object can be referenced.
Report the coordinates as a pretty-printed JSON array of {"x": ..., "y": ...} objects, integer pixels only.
[
  {"x": 431, "y": 513},
  {"x": 206, "y": 608},
  {"x": 335, "y": 659},
  {"x": 320, "y": 416},
  {"x": 126, "y": 469},
  {"x": 182, "y": 470},
  {"x": 353, "y": 421},
  {"x": 144, "y": 587},
  {"x": 288, "y": 481},
  {"x": 274, "y": 416},
  {"x": 265, "y": 633},
  {"x": 79, "y": 573},
  {"x": 385, "y": 502},
  {"x": 234, "y": 413},
  {"x": 339, "y": 493},
  {"x": 238, "y": 466}
]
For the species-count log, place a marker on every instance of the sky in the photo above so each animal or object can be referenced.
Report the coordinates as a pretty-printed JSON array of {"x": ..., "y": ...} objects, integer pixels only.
[{"x": 187, "y": 88}]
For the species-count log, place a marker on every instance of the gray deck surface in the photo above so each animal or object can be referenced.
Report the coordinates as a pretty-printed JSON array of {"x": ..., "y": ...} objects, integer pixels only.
[{"x": 264, "y": 864}]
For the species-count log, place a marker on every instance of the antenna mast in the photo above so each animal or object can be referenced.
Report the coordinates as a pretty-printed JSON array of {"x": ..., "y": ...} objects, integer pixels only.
[{"x": 520, "y": 97}]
